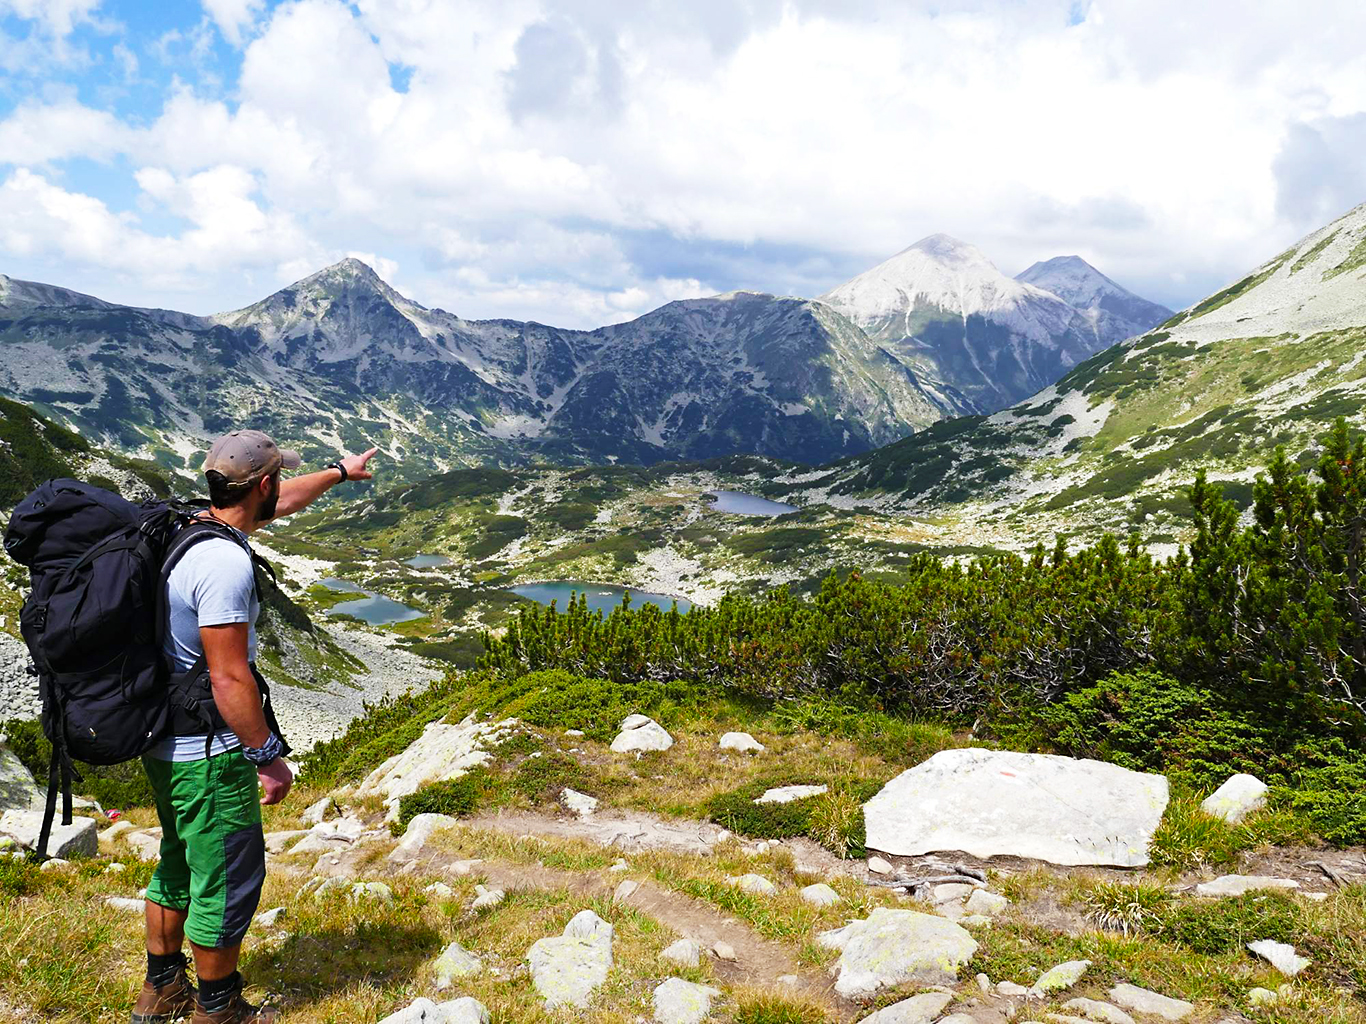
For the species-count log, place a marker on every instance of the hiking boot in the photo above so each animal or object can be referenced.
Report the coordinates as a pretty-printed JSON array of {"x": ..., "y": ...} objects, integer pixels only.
[
  {"x": 238, "y": 1011},
  {"x": 162, "y": 1004}
]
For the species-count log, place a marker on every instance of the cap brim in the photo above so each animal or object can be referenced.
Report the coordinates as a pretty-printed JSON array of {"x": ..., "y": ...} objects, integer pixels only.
[{"x": 290, "y": 459}]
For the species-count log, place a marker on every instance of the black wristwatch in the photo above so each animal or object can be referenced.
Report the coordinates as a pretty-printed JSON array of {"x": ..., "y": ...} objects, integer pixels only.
[{"x": 342, "y": 469}]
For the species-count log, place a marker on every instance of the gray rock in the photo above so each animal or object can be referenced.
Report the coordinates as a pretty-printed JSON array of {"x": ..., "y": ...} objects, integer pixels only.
[
  {"x": 107, "y": 837},
  {"x": 893, "y": 947},
  {"x": 18, "y": 791},
  {"x": 974, "y": 920},
  {"x": 983, "y": 983},
  {"x": 1131, "y": 997},
  {"x": 275, "y": 841},
  {"x": 820, "y": 894},
  {"x": 1094, "y": 1009},
  {"x": 1060, "y": 978},
  {"x": 919, "y": 1009},
  {"x": 1280, "y": 955},
  {"x": 724, "y": 951},
  {"x": 742, "y": 742},
  {"x": 1236, "y": 885},
  {"x": 419, "y": 831},
  {"x": 54, "y": 864},
  {"x": 754, "y": 883},
  {"x": 1011, "y": 989},
  {"x": 377, "y": 891},
  {"x": 625, "y": 891},
  {"x": 567, "y": 970},
  {"x": 639, "y": 733},
  {"x": 146, "y": 844},
  {"x": 125, "y": 904},
  {"x": 79, "y": 839},
  {"x": 456, "y": 1011},
  {"x": 1040, "y": 806},
  {"x": 685, "y": 952},
  {"x": 441, "y": 752},
  {"x": 683, "y": 1002},
  {"x": 947, "y": 892},
  {"x": 879, "y": 866},
  {"x": 578, "y": 803},
  {"x": 958, "y": 1018},
  {"x": 439, "y": 890},
  {"x": 1236, "y": 799},
  {"x": 455, "y": 962},
  {"x": 317, "y": 811},
  {"x": 269, "y": 918},
  {"x": 787, "y": 794},
  {"x": 988, "y": 904},
  {"x": 486, "y": 897}
]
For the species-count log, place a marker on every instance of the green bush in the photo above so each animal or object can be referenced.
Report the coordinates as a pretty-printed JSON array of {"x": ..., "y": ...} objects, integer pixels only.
[
  {"x": 835, "y": 820},
  {"x": 1227, "y": 925},
  {"x": 540, "y": 779},
  {"x": 113, "y": 786},
  {"x": 457, "y": 797},
  {"x": 19, "y": 876}
]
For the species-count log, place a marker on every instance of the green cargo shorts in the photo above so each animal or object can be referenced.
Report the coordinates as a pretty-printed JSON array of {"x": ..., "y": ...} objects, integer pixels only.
[{"x": 213, "y": 853}]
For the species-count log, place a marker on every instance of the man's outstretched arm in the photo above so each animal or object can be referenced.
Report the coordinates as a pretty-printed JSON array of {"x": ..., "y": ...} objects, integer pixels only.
[{"x": 298, "y": 492}]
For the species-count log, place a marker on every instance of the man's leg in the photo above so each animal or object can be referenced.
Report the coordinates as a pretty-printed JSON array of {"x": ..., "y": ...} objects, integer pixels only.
[
  {"x": 167, "y": 994},
  {"x": 165, "y": 929}
]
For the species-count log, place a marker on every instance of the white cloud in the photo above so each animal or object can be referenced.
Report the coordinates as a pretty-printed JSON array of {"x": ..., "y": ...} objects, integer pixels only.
[
  {"x": 525, "y": 153},
  {"x": 56, "y": 17}
]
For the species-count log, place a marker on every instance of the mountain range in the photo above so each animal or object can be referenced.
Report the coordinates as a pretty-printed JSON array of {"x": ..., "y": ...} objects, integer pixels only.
[
  {"x": 1270, "y": 360},
  {"x": 342, "y": 360}
]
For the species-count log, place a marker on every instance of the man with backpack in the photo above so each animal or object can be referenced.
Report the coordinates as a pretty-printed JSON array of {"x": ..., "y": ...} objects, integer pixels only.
[{"x": 223, "y": 741}]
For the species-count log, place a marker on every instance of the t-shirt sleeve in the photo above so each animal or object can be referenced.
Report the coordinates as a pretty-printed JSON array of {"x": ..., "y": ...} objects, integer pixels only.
[{"x": 221, "y": 582}]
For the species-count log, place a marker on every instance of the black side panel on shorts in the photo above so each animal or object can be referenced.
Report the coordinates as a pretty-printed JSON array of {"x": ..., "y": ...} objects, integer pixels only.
[{"x": 244, "y": 853}]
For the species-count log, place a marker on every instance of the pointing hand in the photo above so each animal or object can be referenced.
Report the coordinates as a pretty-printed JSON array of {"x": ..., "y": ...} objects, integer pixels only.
[{"x": 355, "y": 465}]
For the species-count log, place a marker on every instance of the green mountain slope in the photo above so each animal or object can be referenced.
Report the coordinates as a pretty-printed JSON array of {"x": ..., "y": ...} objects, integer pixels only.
[{"x": 1267, "y": 361}]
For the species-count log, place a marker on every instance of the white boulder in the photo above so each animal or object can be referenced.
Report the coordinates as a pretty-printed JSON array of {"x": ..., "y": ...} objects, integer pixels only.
[
  {"x": 1236, "y": 799},
  {"x": 441, "y": 752},
  {"x": 79, "y": 839},
  {"x": 1059, "y": 979},
  {"x": 988, "y": 904},
  {"x": 125, "y": 904},
  {"x": 742, "y": 742},
  {"x": 893, "y": 947},
  {"x": 484, "y": 897},
  {"x": 639, "y": 733},
  {"x": 18, "y": 791},
  {"x": 270, "y": 918},
  {"x": 683, "y": 1002},
  {"x": 455, "y": 962},
  {"x": 1236, "y": 885},
  {"x": 1131, "y": 997},
  {"x": 879, "y": 866},
  {"x": 786, "y": 794},
  {"x": 991, "y": 803},
  {"x": 317, "y": 811},
  {"x": 420, "y": 829},
  {"x": 577, "y": 803},
  {"x": 753, "y": 883},
  {"x": 456, "y": 1011},
  {"x": 1094, "y": 1009},
  {"x": 566, "y": 970},
  {"x": 919, "y": 1009},
  {"x": 1280, "y": 955}
]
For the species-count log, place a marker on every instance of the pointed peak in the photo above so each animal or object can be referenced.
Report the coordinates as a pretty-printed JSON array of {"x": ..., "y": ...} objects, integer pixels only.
[
  {"x": 349, "y": 267},
  {"x": 942, "y": 245}
]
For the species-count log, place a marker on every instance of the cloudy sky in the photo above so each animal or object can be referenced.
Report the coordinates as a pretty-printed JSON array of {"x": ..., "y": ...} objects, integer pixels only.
[{"x": 579, "y": 162}]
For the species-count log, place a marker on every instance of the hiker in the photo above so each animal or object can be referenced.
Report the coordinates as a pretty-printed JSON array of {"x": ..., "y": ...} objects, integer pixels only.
[{"x": 208, "y": 882}]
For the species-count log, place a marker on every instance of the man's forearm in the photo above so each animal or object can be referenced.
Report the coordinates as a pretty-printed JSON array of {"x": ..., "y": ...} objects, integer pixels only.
[
  {"x": 238, "y": 700},
  {"x": 298, "y": 492}
]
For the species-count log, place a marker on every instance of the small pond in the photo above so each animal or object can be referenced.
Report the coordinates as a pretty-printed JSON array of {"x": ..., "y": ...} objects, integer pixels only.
[
  {"x": 601, "y": 597},
  {"x": 427, "y": 561},
  {"x": 741, "y": 504},
  {"x": 376, "y": 609}
]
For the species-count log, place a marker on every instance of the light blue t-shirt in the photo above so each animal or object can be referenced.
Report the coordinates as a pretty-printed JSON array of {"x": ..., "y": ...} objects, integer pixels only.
[{"x": 212, "y": 585}]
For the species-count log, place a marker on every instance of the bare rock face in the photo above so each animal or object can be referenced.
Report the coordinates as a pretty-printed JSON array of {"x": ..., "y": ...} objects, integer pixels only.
[
  {"x": 893, "y": 947},
  {"x": 18, "y": 791},
  {"x": 990, "y": 803},
  {"x": 441, "y": 752}
]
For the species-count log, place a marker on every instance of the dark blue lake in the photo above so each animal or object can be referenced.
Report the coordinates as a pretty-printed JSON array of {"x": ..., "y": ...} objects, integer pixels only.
[
  {"x": 427, "y": 561},
  {"x": 741, "y": 504},
  {"x": 600, "y": 596},
  {"x": 375, "y": 609}
]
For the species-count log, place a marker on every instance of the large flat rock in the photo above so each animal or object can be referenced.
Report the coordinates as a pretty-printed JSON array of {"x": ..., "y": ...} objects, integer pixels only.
[
  {"x": 441, "y": 752},
  {"x": 895, "y": 947},
  {"x": 990, "y": 803},
  {"x": 79, "y": 839}
]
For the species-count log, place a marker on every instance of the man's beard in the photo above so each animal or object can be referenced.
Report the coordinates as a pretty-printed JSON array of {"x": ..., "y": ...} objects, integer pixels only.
[{"x": 267, "y": 510}]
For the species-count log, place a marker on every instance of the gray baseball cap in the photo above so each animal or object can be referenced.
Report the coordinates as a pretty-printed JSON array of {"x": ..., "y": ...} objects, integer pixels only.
[{"x": 245, "y": 456}]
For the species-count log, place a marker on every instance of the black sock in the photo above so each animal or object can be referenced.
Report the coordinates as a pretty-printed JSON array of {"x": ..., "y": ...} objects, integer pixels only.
[
  {"x": 214, "y": 995},
  {"x": 162, "y": 968}
]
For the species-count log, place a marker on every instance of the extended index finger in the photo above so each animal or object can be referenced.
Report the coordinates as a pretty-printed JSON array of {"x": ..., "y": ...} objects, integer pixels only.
[{"x": 367, "y": 456}]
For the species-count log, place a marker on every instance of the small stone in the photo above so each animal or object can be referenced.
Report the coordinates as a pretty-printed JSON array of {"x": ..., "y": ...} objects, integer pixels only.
[
  {"x": 620, "y": 865},
  {"x": 107, "y": 837},
  {"x": 878, "y": 866},
  {"x": 919, "y": 1009},
  {"x": 328, "y": 886},
  {"x": 126, "y": 904},
  {"x": 787, "y": 794},
  {"x": 760, "y": 849},
  {"x": 455, "y": 962},
  {"x": 277, "y": 841},
  {"x": 1236, "y": 799},
  {"x": 487, "y": 898},
  {"x": 685, "y": 952},
  {"x": 440, "y": 890},
  {"x": 787, "y": 979},
  {"x": 644, "y": 735},
  {"x": 974, "y": 920},
  {"x": 984, "y": 983},
  {"x": 683, "y": 1002},
  {"x": 1009, "y": 988},
  {"x": 1236, "y": 885},
  {"x": 625, "y": 891},
  {"x": 1317, "y": 897},
  {"x": 958, "y": 1018},
  {"x": 114, "y": 868},
  {"x": 416, "y": 836},
  {"x": 1131, "y": 997},
  {"x": 1060, "y": 978},
  {"x": 634, "y": 722},
  {"x": 317, "y": 811},
  {"x": 1280, "y": 955},
  {"x": 949, "y": 892},
  {"x": 464, "y": 867},
  {"x": 577, "y": 803},
  {"x": 723, "y": 835},
  {"x": 724, "y": 951},
  {"x": 988, "y": 904},
  {"x": 457, "y": 1011},
  {"x": 269, "y": 918},
  {"x": 754, "y": 883},
  {"x": 1262, "y": 997},
  {"x": 55, "y": 864},
  {"x": 372, "y": 891},
  {"x": 1097, "y": 1010},
  {"x": 567, "y": 969},
  {"x": 742, "y": 742},
  {"x": 820, "y": 894},
  {"x": 573, "y": 732}
]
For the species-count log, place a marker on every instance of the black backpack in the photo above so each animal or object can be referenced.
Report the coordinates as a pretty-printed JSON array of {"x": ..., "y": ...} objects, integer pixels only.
[{"x": 95, "y": 624}]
